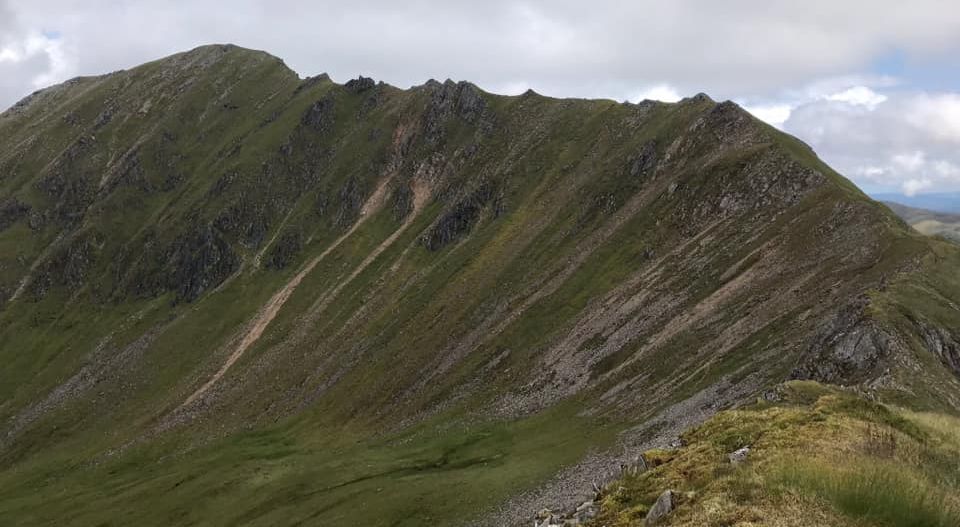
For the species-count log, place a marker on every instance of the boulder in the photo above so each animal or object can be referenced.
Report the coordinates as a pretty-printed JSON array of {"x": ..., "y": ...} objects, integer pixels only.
[
  {"x": 739, "y": 456},
  {"x": 639, "y": 465},
  {"x": 663, "y": 506},
  {"x": 545, "y": 518},
  {"x": 586, "y": 511}
]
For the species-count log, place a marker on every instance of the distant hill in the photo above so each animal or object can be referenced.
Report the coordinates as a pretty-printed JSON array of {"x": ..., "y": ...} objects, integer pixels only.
[
  {"x": 929, "y": 222},
  {"x": 941, "y": 202}
]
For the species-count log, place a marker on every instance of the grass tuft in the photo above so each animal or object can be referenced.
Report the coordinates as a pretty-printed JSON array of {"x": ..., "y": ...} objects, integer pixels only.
[{"x": 873, "y": 491}]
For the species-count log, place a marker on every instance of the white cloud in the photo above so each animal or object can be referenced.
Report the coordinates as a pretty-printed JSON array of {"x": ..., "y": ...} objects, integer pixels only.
[
  {"x": 35, "y": 44},
  {"x": 910, "y": 162},
  {"x": 29, "y": 59},
  {"x": 854, "y": 91},
  {"x": 912, "y": 187},
  {"x": 773, "y": 113},
  {"x": 858, "y": 96},
  {"x": 946, "y": 169},
  {"x": 907, "y": 141},
  {"x": 939, "y": 113},
  {"x": 658, "y": 92}
]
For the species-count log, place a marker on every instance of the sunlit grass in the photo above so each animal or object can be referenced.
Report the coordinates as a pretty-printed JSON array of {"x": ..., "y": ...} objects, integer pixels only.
[
  {"x": 822, "y": 456},
  {"x": 883, "y": 493}
]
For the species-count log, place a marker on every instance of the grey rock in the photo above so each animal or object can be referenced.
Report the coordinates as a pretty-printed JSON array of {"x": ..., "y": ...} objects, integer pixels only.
[
  {"x": 847, "y": 347},
  {"x": 739, "y": 456},
  {"x": 700, "y": 97},
  {"x": 103, "y": 118},
  {"x": 450, "y": 99},
  {"x": 587, "y": 510},
  {"x": 644, "y": 163},
  {"x": 663, "y": 506},
  {"x": 942, "y": 344},
  {"x": 773, "y": 396},
  {"x": 470, "y": 102},
  {"x": 459, "y": 219},
  {"x": 640, "y": 464},
  {"x": 547, "y": 518},
  {"x": 360, "y": 84},
  {"x": 320, "y": 115}
]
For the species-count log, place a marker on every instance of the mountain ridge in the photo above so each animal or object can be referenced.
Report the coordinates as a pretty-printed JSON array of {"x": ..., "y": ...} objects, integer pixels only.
[{"x": 206, "y": 250}]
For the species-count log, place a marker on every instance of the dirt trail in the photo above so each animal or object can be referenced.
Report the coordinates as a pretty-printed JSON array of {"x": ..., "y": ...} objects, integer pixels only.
[
  {"x": 420, "y": 195},
  {"x": 269, "y": 311}
]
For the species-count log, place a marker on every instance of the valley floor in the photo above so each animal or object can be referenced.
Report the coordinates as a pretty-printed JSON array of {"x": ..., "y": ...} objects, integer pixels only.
[{"x": 817, "y": 456}]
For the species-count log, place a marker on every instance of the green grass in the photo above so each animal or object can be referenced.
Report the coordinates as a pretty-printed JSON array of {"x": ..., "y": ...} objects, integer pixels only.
[
  {"x": 821, "y": 456},
  {"x": 433, "y": 474},
  {"x": 877, "y": 493}
]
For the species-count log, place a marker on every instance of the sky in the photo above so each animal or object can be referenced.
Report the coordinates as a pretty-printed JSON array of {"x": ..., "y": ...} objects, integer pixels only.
[{"x": 872, "y": 85}]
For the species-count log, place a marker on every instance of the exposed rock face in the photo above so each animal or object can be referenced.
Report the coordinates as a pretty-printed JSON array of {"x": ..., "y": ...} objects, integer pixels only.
[
  {"x": 198, "y": 263},
  {"x": 462, "y": 100},
  {"x": 360, "y": 84},
  {"x": 849, "y": 347},
  {"x": 349, "y": 202},
  {"x": 458, "y": 221},
  {"x": 645, "y": 161},
  {"x": 942, "y": 343},
  {"x": 320, "y": 117}
]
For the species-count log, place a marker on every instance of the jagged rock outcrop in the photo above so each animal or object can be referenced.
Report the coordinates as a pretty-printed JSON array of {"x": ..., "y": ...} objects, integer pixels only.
[
  {"x": 943, "y": 344},
  {"x": 464, "y": 214},
  {"x": 848, "y": 347},
  {"x": 360, "y": 84}
]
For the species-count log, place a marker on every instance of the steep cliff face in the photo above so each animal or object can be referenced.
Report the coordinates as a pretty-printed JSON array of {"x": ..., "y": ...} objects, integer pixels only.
[{"x": 341, "y": 289}]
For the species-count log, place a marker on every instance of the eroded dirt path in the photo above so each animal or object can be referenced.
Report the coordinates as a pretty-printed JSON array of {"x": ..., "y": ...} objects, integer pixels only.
[
  {"x": 256, "y": 327},
  {"x": 420, "y": 195}
]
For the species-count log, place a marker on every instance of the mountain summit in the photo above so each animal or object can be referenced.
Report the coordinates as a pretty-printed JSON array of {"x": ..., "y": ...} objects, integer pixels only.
[{"x": 232, "y": 296}]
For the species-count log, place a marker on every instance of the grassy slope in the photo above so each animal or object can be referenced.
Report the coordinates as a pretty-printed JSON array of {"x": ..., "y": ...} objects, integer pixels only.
[
  {"x": 329, "y": 435},
  {"x": 285, "y": 474},
  {"x": 821, "y": 456}
]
